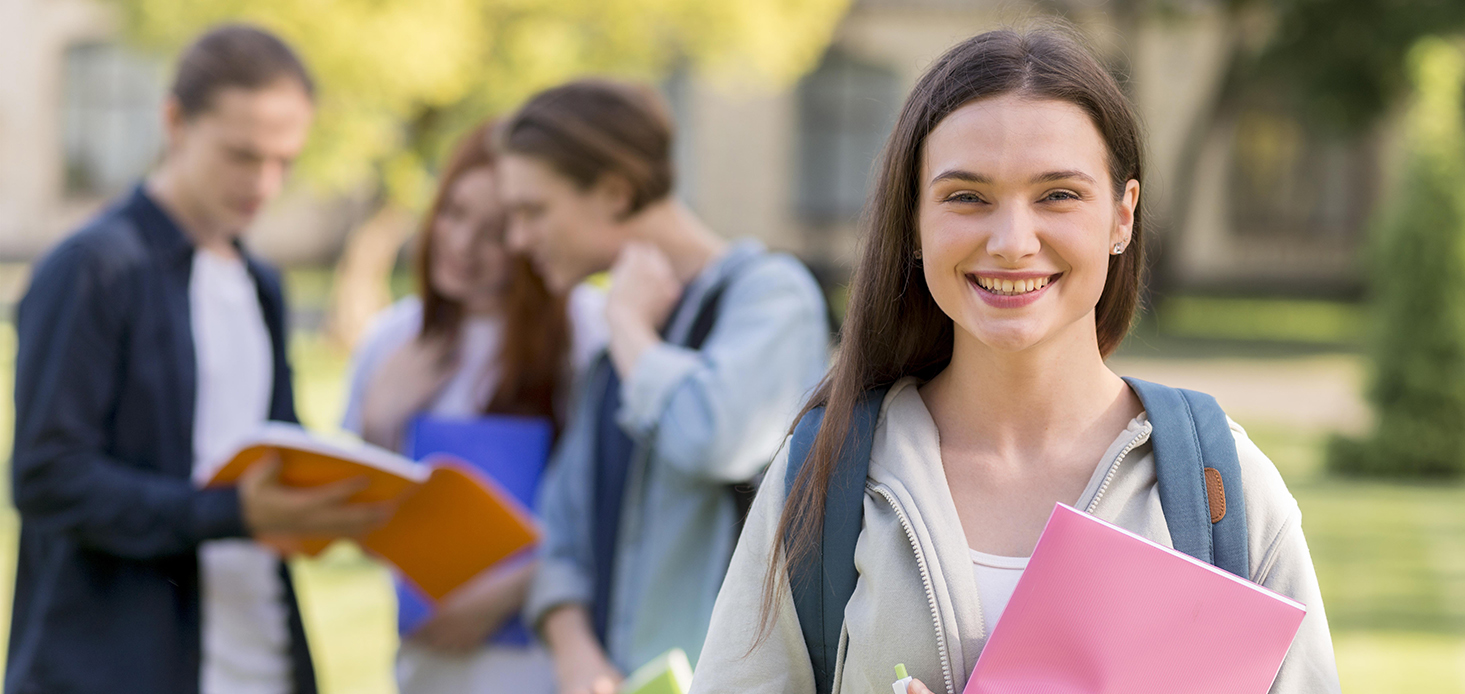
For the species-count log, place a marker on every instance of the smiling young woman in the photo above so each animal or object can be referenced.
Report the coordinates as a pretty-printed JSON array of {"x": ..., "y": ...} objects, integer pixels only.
[{"x": 1002, "y": 265}]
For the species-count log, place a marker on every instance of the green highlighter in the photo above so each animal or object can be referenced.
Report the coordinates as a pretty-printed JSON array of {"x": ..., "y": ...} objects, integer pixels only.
[
  {"x": 669, "y": 673},
  {"x": 903, "y": 679}
]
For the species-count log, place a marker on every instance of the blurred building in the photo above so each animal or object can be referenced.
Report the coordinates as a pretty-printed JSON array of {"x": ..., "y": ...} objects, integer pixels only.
[
  {"x": 80, "y": 123},
  {"x": 1247, "y": 199}
]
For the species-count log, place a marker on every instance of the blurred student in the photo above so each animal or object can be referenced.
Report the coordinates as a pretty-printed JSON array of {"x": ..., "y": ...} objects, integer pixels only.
[
  {"x": 712, "y": 346},
  {"x": 1003, "y": 264},
  {"x": 482, "y": 336},
  {"x": 150, "y": 342}
]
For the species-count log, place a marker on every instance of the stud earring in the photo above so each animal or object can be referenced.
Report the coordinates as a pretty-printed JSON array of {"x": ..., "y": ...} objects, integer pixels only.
[
  {"x": 1118, "y": 249},
  {"x": 918, "y": 254}
]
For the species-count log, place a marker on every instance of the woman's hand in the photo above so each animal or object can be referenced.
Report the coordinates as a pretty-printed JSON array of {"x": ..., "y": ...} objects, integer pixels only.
[
  {"x": 643, "y": 291},
  {"x": 403, "y": 386},
  {"x": 917, "y": 687},
  {"x": 468, "y": 615},
  {"x": 580, "y": 664}
]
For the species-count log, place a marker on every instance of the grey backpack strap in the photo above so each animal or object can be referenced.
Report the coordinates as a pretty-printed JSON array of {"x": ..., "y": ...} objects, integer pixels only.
[
  {"x": 824, "y": 580},
  {"x": 1199, "y": 475}
]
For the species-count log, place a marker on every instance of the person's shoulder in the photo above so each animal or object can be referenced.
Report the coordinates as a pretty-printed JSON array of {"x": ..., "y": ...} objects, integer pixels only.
[
  {"x": 108, "y": 247},
  {"x": 777, "y": 272},
  {"x": 1269, "y": 503},
  {"x": 395, "y": 323}
]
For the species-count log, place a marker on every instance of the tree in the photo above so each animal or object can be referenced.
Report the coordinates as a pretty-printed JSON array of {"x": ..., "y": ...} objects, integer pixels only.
[
  {"x": 399, "y": 79},
  {"x": 1418, "y": 389}
]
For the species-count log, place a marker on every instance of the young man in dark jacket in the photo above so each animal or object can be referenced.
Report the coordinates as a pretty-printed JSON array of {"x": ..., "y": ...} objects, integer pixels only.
[{"x": 150, "y": 344}]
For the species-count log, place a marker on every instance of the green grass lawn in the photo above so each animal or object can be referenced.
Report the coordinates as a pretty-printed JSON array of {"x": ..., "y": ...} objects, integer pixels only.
[{"x": 1390, "y": 558}]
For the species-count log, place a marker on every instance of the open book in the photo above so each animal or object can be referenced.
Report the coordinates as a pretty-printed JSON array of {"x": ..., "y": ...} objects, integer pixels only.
[
  {"x": 451, "y": 522},
  {"x": 1100, "y": 609}
]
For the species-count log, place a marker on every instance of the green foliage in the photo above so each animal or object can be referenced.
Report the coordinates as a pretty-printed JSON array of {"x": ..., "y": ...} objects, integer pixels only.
[
  {"x": 1286, "y": 320},
  {"x": 1347, "y": 61},
  {"x": 399, "y": 79},
  {"x": 1418, "y": 391}
]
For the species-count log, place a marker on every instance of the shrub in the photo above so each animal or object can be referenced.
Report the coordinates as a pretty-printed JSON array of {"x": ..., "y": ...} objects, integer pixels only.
[{"x": 1418, "y": 283}]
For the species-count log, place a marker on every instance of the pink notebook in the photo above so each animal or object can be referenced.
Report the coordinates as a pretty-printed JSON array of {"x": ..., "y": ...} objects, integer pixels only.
[{"x": 1101, "y": 610}]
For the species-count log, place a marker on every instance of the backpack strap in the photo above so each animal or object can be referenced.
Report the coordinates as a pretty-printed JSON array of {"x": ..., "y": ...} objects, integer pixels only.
[
  {"x": 824, "y": 580},
  {"x": 702, "y": 323},
  {"x": 1199, "y": 475}
]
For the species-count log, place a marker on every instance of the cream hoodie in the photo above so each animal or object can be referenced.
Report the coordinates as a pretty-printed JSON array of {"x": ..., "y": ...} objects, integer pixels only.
[{"x": 916, "y": 598}]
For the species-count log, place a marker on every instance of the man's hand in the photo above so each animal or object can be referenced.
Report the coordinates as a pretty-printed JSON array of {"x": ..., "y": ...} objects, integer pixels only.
[
  {"x": 271, "y": 508},
  {"x": 643, "y": 291},
  {"x": 643, "y": 288},
  {"x": 580, "y": 664}
]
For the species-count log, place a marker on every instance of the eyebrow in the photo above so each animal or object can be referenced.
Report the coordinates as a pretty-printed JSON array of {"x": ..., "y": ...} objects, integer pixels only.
[
  {"x": 1052, "y": 176},
  {"x": 1049, "y": 177},
  {"x": 960, "y": 175}
]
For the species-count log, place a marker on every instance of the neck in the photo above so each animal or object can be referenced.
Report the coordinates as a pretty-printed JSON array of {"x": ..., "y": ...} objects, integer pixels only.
[
  {"x": 688, "y": 243},
  {"x": 164, "y": 187},
  {"x": 1021, "y": 401},
  {"x": 483, "y": 307}
]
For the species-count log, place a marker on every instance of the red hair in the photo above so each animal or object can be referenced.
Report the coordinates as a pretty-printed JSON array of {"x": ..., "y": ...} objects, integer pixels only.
[{"x": 533, "y": 356}]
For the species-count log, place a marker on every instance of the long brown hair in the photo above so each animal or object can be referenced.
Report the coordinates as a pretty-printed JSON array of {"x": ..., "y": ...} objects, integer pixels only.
[
  {"x": 534, "y": 353},
  {"x": 893, "y": 327}
]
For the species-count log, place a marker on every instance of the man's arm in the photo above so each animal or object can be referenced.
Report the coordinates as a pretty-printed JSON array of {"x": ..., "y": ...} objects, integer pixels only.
[
  {"x": 720, "y": 412},
  {"x": 71, "y": 326}
]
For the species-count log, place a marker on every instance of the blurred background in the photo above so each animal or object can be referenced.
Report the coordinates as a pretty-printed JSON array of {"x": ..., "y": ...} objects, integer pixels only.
[{"x": 1305, "y": 186}]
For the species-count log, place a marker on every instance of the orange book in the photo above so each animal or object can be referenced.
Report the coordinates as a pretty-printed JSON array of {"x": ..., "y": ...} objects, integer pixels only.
[{"x": 451, "y": 522}]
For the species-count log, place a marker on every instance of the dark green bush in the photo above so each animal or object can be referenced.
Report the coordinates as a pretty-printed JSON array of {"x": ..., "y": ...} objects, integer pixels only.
[{"x": 1417, "y": 264}]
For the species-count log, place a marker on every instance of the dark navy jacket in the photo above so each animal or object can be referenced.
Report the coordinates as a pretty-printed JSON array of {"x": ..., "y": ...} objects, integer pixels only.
[{"x": 107, "y": 587}]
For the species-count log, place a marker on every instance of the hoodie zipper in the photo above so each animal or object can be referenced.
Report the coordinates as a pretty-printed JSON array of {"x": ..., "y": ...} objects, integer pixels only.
[
  {"x": 1141, "y": 437},
  {"x": 910, "y": 534}
]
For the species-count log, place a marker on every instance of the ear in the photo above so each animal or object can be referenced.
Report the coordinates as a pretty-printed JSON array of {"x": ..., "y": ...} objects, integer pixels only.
[
  {"x": 613, "y": 194},
  {"x": 174, "y": 121},
  {"x": 1124, "y": 214}
]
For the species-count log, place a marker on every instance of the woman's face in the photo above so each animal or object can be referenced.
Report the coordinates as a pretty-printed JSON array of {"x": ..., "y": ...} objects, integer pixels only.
[
  {"x": 470, "y": 263},
  {"x": 1017, "y": 219},
  {"x": 569, "y": 233}
]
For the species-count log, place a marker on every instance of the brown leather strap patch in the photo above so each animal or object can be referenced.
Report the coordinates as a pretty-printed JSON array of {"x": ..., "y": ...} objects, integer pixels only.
[{"x": 1215, "y": 494}]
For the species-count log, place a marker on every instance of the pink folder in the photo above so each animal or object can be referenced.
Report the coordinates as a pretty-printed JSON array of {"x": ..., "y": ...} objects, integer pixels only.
[{"x": 1101, "y": 610}]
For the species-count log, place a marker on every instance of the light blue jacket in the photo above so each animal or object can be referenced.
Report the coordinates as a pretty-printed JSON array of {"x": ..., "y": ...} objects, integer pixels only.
[{"x": 700, "y": 420}]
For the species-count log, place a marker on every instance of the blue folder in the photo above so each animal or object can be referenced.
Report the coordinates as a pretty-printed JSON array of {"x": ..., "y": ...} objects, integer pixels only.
[{"x": 512, "y": 451}]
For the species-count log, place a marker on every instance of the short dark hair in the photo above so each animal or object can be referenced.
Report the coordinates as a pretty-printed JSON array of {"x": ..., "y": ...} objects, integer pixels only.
[
  {"x": 592, "y": 127},
  {"x": 234, "y": 55}
]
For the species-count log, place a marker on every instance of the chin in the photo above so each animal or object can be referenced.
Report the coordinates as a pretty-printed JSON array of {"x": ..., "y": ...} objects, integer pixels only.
[{"x": 1009, "y": 338}]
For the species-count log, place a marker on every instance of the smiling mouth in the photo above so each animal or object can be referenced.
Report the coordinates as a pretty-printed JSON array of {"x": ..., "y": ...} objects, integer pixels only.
[{"x": 1010, "y": 287}]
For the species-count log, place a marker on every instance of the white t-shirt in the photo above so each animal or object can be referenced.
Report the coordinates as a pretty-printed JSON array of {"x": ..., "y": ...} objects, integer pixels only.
[
  {"x": 246, "y": 637},
  {"x": 996, "y": 579}
]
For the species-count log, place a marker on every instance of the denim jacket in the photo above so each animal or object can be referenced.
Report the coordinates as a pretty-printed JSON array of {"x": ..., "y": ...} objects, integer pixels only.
[{"x": 700, "y": 420}]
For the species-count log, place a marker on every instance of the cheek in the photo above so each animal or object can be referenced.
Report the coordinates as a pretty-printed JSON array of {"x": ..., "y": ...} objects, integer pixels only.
[
  {"x": 944, "y": 248},
  {"x": 493, "y": 264}
]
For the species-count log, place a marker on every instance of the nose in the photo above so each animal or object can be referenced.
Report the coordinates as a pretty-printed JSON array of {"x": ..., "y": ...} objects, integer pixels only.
[
  {"x": 1014, "y": 234},
  {"x": 516, "y": 237}
]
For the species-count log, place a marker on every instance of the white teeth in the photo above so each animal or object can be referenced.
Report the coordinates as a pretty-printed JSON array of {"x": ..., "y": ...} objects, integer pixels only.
[{"x": 1012, "y": 287}]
